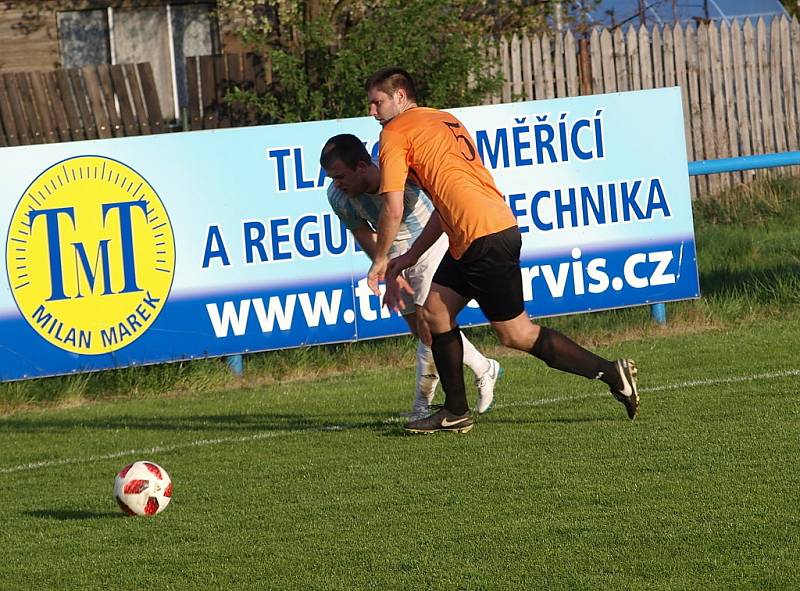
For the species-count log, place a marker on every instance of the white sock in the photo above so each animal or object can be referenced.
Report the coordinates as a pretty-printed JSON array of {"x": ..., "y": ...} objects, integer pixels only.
[
  {"x": 427, "y": 376},
  {"x": 473, "y": 358}
]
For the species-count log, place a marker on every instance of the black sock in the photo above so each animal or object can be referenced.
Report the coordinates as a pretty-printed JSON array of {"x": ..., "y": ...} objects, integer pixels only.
[
  {"x": 448, "y": 354},
  {"x": 560, "y": 352}
]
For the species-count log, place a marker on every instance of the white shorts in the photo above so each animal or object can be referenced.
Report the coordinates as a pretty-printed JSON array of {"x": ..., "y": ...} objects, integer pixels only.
[{"x": 419, "y": 276}]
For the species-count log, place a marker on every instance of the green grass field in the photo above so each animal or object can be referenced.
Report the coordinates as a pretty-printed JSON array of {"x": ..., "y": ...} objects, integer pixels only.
[
  {"x": 299, "y": 476},
  {"x": 311, "y": 485}
]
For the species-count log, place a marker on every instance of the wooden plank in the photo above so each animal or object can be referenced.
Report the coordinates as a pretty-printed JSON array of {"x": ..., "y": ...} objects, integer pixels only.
[
  {"x": 6, "y": 116},
  {"x": 41, "y": 103},
  {"x": 763, "y": 81},
  {"x": 496, "y": 62},
  {"x": 794, "y": 85},
  {"x": 695, "y": 111},
  {"x": 621, "y": 61},
  {"x": 527, "y": 68},
  {"x": 635, "y": 73},
  {"x": 606, "y": 52},
  {"x": 237, "y": 112},
  {"x": 740, "y": 91},
  {"x": 787, "y": 91},
  {"x": 150, "y": 96},
  {"x": 489, "y": 67},
  {"x": 571, "y": 74},
  {"x": 764, "y": 85},
  {"x": 558, "y": 65},
  {"x": 4, "y": 140},
  {"x": 547, "y": 66},
  {"x": 707, "y": 103},
  {"x": 751, "y": 72},
  {"x": 234, "y": 68},
  {"x": 657, "y": 48},
  {"x": 516, "y": 68},
  {"x": 28, "y": 106},
  {"x": 193, "y": 85},
  {"x": 64, "y": 83},
  {"x": 89, "y": 126},
  {"x": 596, "y": 61},
  {"x": 505, "y": 69},
  {"x": 776, "y": 88},
  {"x": 248, "y": 75},
  {"x": 24, "y": 132},
  {"x": 135, "y": 88},
  {"x": 221, "y": 89},
  {"x": 537, "y": 66},
  {"x": 92, "y": 82},
  {"x": 679, "y": 59},
  {"x": 668, "y": 56},
  {"x": 645, "y": 59},
  {"x": 720, "y": 129},
  {"x": 794, "y": 35},
  {"x": 263, "y": 73},
  {"x": 208, "y": 86},
  {"x": 112, "y": 103},
  {"x": 57, "y": 102},
  {"x": 726, "y": 63},
  {"x": 584, "y": 57},
  {"x": 129, "y": 123}
]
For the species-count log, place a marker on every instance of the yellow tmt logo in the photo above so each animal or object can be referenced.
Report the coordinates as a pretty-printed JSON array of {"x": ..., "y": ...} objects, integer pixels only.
[{"x": 90, "y": 255}]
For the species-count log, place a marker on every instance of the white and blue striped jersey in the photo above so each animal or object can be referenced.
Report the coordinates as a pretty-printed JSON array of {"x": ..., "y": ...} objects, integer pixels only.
[{"x": 366, "y": 208}]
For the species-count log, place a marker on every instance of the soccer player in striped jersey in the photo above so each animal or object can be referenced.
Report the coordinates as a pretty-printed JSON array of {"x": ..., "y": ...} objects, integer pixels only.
[
  {"x": 354, "y": 197},
  {"x": 483, "y": 258}
]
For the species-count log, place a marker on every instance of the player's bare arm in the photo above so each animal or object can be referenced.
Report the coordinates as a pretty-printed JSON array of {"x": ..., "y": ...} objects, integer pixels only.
[
  {"x": 430, "y": 234},
  {"x": 394, "y": 279},
  {"x": 388, "y": 225},
  {"x": 367, "y": 239}
]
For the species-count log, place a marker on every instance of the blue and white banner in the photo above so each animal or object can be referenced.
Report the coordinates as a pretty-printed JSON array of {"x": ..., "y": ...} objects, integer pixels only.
[{"x": 159, "y": 248}]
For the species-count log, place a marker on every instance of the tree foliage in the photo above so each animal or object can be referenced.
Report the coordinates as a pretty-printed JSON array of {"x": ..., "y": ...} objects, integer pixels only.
[{"x": 321, "y": 51}]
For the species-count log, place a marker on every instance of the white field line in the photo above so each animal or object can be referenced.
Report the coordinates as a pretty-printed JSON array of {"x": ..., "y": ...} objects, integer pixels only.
[
  {"x": 269, "y": 434},
  {"x": 772, "y": 375}
]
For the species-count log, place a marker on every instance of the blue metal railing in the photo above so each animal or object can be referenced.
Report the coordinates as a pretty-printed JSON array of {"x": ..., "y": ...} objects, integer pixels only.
[
  {"x": 659, "y": 311},
  {"x": 743, "y": 163}
]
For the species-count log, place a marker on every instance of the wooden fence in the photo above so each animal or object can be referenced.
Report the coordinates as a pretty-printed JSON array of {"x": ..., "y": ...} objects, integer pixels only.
[
  {"x": 740, "y": 82},
  {"x": 209, "y": 79},
  {"x": 75, "y": 104}
]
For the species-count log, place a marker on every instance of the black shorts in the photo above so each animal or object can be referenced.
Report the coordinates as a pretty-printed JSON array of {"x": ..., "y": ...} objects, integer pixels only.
[{"x": 489, "y": 273}]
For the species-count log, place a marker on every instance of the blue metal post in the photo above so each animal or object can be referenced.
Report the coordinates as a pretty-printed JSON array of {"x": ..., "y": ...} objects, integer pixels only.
[
  {"x": 659, "y": 313},
  {"x": 235, "y": 364}
]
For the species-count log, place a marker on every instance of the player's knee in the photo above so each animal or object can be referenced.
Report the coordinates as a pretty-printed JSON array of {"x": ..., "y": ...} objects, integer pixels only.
[
  {"x": 435, "y": 319},
  {"x": 427, "y": 316},
  {"x": 515, "y": 339}
]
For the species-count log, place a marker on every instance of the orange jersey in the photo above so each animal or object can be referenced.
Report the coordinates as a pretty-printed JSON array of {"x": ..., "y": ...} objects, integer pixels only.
[{"x": 436, "y": 149}]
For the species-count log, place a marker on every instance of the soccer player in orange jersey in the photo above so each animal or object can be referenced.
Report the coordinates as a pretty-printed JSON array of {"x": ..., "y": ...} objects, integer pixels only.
[
  {"x": 436, "y": 151},
  {"x": 354, "y": 197}
]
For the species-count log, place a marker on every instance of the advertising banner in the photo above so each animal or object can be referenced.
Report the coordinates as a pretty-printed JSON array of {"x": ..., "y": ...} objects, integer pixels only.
[{"x": 150, "y": 249}]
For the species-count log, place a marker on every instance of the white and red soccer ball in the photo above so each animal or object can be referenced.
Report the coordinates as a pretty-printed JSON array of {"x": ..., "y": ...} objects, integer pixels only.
[{"x": 142, "y": 488}]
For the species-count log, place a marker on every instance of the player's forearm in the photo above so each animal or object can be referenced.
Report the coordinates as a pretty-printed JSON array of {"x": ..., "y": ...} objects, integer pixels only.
[
  {"x": 430, "y": 234},
  {"x": 369, "y": 249},
  {"x": 388, "y": 223},
  {"x": 366, "y": 240}
]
